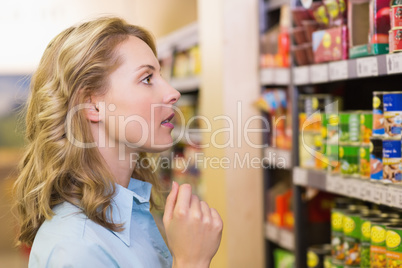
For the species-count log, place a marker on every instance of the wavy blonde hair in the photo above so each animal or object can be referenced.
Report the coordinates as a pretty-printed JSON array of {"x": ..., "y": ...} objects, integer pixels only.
[{"x": 75, "y": 65}]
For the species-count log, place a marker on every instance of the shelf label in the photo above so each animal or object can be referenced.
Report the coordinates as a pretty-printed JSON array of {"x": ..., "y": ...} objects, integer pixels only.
[
  {"x": 389, "y": 197},
  {"x": 300, "y": 176},
  {"x": 330, "y": 184},
  {"x": 379, "y": 191},
  {"x": 287, "y": 239},
  {"x": 319, "y": 73},
  {"x": 394, "y": 63},
  {"x": 281, "y": 76},
  {"x": 339, "y": 185},
  {"x": 267, "y": 76},
  {"x": 300, "y": 75},
  {"x": 367, "y": 67},
  {"x": 272, "y": 232},
  {"x": 397, "y": 197},
  {"x": 338, "y": 70}
]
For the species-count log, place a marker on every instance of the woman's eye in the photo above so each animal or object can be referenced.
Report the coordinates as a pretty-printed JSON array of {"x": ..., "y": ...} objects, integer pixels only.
[{"x": 147, "y": 80}]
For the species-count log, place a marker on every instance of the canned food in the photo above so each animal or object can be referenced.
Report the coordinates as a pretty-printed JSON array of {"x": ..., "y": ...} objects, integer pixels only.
[
  {"x": 376, "y": 163},
  {"x": 378, "y": 114},
  {"x": 393, "y": 114},
  {"x": 395, "y": 37},
  {"x": 364, "y": 161},
  {"x": 365, "y": 240},
  {"x": 333, "y": 158},
  {"x": 332, "y": 128},
  {"x": 394, "y": 247},
  {"x": 349, "y": 128},
  {"x": 348, "y": 155},
  {"x": 391, "y": 155},
  {"x": 378, "y": 248},
  {"x": 328, "y": 261},
  {"x": 396, "y": 16},
  {"x": 366, "y": 127},
  {"x": 337, "y": 245},
  {"x": 316, "y": 255},
  {"x": 351, "y": 235},
  {"x": 311, "y": 141}
]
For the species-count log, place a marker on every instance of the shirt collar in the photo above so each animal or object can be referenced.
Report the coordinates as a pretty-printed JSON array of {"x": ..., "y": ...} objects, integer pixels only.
[{"x": 122, "y": 205}]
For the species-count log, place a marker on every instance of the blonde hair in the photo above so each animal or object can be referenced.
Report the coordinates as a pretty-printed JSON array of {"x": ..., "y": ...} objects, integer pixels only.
[{"x": 75, "y": 65}]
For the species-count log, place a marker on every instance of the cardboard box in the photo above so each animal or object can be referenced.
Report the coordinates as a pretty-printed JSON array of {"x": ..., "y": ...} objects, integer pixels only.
[
  {"x": 369, "y": 24},
  {"x": 330, "y": 44}
]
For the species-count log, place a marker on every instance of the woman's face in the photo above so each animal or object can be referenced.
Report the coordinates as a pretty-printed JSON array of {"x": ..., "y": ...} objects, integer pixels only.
[{"x": 139, "y": 102}]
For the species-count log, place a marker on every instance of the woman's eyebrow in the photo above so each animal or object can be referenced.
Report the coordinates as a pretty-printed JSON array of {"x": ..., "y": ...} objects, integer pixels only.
[{"x": 146, "y": 66}]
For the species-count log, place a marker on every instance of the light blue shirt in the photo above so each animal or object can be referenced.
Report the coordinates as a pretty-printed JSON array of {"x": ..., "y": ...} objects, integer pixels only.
[{"x": 70, "y": 239}]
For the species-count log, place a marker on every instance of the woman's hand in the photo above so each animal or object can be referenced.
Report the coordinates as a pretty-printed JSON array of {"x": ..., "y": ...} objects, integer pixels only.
[{"x": 193, "y": 230}]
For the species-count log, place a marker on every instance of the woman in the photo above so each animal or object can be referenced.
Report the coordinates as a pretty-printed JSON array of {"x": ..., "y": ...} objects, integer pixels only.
[{"x": 98, "y": 104}]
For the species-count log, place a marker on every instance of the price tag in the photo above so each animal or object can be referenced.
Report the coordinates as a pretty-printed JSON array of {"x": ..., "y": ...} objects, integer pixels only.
[
  {"x": 355, "y": 185},
  {"x": 271, "y": 232},
  {"x": 281, "y": 76},
  {"x": 300, "y": 176},
  {"x": 368, "y": 186},
  {"x": 367, "y": 67},
  {"x": 397, "y": 197},
  {"x": 388, "y": 198},
  {"x": 287, "y": 239},
  {"x": 339, "y": 186},
  {"x": 338, "y": 70},
  {"x": 330, "y": 184},
  {"x": 267, "y": 76},
  {"x": 394, "y": 63},
  {"x": 300, "y": 75},
  {"x": 319, "y": 73},
  {"x": 378, "y": 193}
]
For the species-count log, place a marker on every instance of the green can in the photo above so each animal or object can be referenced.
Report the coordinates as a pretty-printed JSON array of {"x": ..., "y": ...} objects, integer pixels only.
[
  {"x": 365, "y": 239},
  {"x": 351, "y": 236},
  {"x": 364, "y": 161},
  {"x": 393, "y": 243},
  {"x": 378, "y": 248},
  {"x": 349, "y": 127},
  {"x": 366, "y": 126},
  {"x": 337, "y": 243},
  {"x": 337, "y": 266},
  {"x": 328, "y": 261},
  {"x": 330, "y": 128},
  {"x": 349, "y": 158},
  {"x": 333, "y": 158}
]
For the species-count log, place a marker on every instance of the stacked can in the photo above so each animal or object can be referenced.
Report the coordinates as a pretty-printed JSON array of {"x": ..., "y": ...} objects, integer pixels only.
[
  {"x": 385, "y": 149},
  {"x": 316, "y": 255},
  {"x": 394, "y": 245},
  {"x": 395, "y": 34}
]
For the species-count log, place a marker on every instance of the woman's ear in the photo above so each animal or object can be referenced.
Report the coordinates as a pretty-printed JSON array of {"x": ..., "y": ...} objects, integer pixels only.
[{"x": 92, "y": 110}]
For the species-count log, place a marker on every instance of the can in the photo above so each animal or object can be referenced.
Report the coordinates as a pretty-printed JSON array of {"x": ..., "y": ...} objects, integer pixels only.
[
  {"x": 396, "y": 16},
  {"x": 366, "y": 127},
  {"x": 395, "y": 37},
  {"x": 308, "y": 140},
  {"x": 378, "y": 114},
  {"x": 376, "y": 163},
  {"x": 333, "y": 158},
  {"x": 394, "y": 245},
  {"x": 332, "y": 128},
  {"x": 351, "y": 236},
  {"x": 337, "y": 266},
  {"x": 316, "y": 255},
  {"x": 337, "y": 243},
  {"x": 393, "y": 114},
  {"x": 328, "y": 261},
  {"x": 349, "y": 127},
  {"x": 349, "y": 158},
  {"x": 365, "y": 239},
  {"x": 391, "y": 155},
  {"x": 378, "y": 248},
  {"x": 364, "y": 161}
]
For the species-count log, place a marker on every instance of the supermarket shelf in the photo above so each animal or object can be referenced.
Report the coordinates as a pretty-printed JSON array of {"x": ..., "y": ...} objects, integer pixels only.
[
  {"x": 283, "y": 237},
  {"x": 389, "y": 195},
  {"x": 186, "y": 84},
  {"x": 374, "y": 66},
  {"x": 278, "y": 158},
  {"x": 275, "y": 77}
]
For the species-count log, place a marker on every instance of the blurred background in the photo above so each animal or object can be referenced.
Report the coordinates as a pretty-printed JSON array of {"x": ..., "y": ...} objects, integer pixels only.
[{"x": 27, "y": 27}]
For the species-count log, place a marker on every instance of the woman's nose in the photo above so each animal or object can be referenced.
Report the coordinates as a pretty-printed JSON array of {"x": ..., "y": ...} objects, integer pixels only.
[{"x": 172, "y": 95}]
